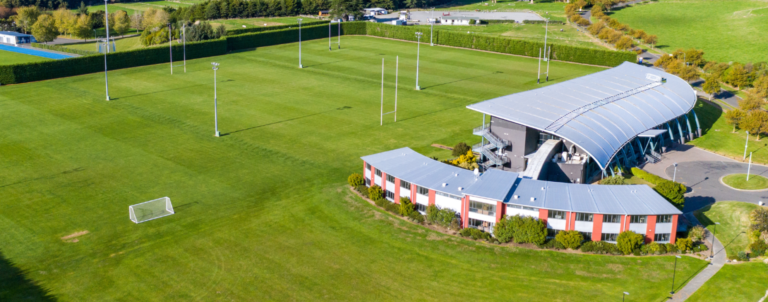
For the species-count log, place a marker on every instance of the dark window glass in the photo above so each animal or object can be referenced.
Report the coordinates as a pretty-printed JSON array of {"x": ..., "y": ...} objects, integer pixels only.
[
  {"x": 421, "y": 207},
  {"x": 664, "y": 219},
  {"x": 367, "y": 182},
  {"x": 587, "y": 236},
  {"x": 583, "y": 217},
  {"x": 390, "y": 195},
  {"x": 405, "y": 185},
  {"x": 423, "y": 191},
  {"x": 556, "y": 214},
  {"x": 661, "y": 237},
  {"x": 552, "y": 232},
  {"x": 612, "y": 218},
  {"x": 378, "y": 172},
  {"x": 368, "y": 166},
  {"x": 482, "y": 208},
  {"x": 637, "y": 218},
  {"x": 610, "y": 237},
  {"x": 390, "y": 178}
]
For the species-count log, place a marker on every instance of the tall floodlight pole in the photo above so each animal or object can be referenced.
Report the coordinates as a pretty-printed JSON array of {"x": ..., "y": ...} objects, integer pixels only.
[
  {"x": 546, "y": 49},
  {"x": 300, "y": 66},
  {"x": 381, "y": 115},
  {"x": 624, "y": 294},
  {"x": 672, "y": 292},
  {"x": 329, "y": 35},
  {"x": 745, "y": 146},
  {"x": 170, "y": 45},
  {"x": 215, "y": 101},
  {"x": 338, "y": 35},
  {"x": 397, "y": 67},
  {"x": 418, "y": 48},
  {"x": 538, "y": 74},
  {"x": 431, "y": 26},
  {"x": 750, "y": 165},
  {"x": 712, "y": 250},
  {"x": 184, "y": 32},
  {"x": 674, "y": 175},
  {"x": 106, "y": 21}
]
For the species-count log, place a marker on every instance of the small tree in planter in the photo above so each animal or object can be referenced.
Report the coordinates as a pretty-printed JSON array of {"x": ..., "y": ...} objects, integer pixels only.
[
  {"x": 355, "y": 180},
  {"x": 570, "y": 239},
  {"x": 406, "y": 207},
  {"x": 628, "y": 241},
  {"x": 375, "y": 192},
  {"x": 684, "y": 244}
]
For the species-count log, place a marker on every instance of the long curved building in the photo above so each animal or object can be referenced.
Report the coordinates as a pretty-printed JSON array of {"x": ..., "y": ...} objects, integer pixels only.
[{"x": 619, "y": 116}]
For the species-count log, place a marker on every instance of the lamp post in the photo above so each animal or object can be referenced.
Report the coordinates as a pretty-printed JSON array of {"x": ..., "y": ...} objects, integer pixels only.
[
  {"x": 300, "y": 66},
  {"x": 215, "y": 101},
  {"x": 624, "y": 294},
  {"x": 672, "y": 292},
  {"x": 745, "y": 146},
  {"x": 546, "y": 51},
  {"x": 329, "y": 35},
  {"x": 674, "y": 175},
  {"x": 338, "y": 34},
  {"x": 106, "y": 21},
  {"x": 431, "y": 26},
  {"x": 712, "y": 250},
  {"x": 418, "y": 48},
  {"x": 750, "y": 165}
]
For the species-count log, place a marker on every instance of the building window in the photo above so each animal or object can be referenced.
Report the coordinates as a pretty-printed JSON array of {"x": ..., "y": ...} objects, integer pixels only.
[
  {"x": 390, "y": 178},
  {"x": 480, "y": 225},
  {"x": 378, "y": 172},
  {"x": 637, "y": 219},
  {"x": 367, "y": 182},
  {"x": 390, "y": 195},
  {"x": 405, "y": 185},
  {"x": 661, "y": 237},
  {"x": 448, "y": 195},
  {"x": 514, "y": 206},
  {"x": 587, "y": 236},
  {"x": 552, "y": 232},
  {"x": 482, "y": 208},
  {"x": 612, "y": 218},
  {"x": 583, "y": 217},
  {"x": 368, "y": 166},
  {"x": 543, "y": 137},
  {"x": 664, "y": 219},
  {"x": 423, "y": 191},
  {"x": 421, "y": 207},
  {"x": 610, "y": 237},
  {"x": 556, "y": 214}
]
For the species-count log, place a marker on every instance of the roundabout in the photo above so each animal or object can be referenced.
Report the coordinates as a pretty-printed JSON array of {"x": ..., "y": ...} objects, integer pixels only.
[{"x": 740, "y": 182}]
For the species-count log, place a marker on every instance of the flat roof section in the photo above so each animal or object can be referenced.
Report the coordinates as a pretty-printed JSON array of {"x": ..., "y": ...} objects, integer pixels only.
[{"x": 599, "y": 112}]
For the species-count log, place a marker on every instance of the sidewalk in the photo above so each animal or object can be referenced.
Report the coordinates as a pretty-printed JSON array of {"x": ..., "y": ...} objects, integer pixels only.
[{"x": 702, "y": 277}]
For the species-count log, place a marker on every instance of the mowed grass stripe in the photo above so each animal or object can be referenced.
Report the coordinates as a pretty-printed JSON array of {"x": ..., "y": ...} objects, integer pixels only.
[{"x": 263, "y": 212}]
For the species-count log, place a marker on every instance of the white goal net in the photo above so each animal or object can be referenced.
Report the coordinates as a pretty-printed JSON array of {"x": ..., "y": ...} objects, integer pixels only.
[{"x": 149, "y": 210}]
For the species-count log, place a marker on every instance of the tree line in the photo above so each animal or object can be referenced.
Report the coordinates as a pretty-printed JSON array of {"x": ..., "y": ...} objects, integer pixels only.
[{"x": 608, "y": 29}]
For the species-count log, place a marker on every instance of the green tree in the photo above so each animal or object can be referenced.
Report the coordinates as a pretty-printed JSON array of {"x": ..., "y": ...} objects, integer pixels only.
[
  {"x": 433, "y": 214},
  {"x": 44, "y": 29},
  {"x": 689, "y": 73},
  {"x": 596, "y": 27},
  {"x": 758, "y": 219},
  {"x": 694, "y": 57},
  {"x": 82, "y": 10},
  {"x": 65, "y": 19},
  {"x": 406, "y": 207},
  {"x": 711, "y": 86},
  {"x": 628, "y": 241},
  {"x": 503, "y": 230},
  {"x": 672, "y": 192},
  {"x": 624, "y": 43},
  {"x": 738, "y": 76},
  {"x": 375, "y": 192},
  {"x": 651, "y": 40},
  {"x": 684, "y": 244},
  {"x": 460, "y": 149},
  {"x": 570, "y": 239},
  {"x": 734, "y": 117},
  {"x": 755, "y": 121},
  {"x": 82, "y": 28},
  {"x": 121, "y": 22},
  {"x": 528, "y": 230},
  {"x": 750, "y": 103},
  {"x": 761, "y": 86},
  {"x": 355, "y": 180},
  {"x": 580, "y": 4},
  {"x": 26, "y": 17},
  {"x": 639, "y": 34}
]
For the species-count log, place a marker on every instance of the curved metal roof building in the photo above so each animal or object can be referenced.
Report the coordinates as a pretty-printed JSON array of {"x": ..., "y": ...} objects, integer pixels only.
[{"x": 600, "y": 112}]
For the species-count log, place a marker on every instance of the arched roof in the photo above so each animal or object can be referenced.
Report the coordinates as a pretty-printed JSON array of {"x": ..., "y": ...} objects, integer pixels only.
[{"x": 600, "y": 112}]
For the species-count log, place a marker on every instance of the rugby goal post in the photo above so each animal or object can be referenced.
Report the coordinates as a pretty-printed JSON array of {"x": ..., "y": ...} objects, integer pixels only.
[{"x": 150, "y": 210}]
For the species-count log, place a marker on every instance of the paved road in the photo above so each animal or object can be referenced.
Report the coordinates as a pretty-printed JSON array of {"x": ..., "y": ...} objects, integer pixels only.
[
  {"x": 701, "y": 171},
  {"x": 703, "y": 276}
]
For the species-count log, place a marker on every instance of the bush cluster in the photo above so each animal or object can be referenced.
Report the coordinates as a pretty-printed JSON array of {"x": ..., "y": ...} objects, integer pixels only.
[
  {"x": 671, "y": 191},
  {"x": 551, "y": 244},
  {"x": 60, "y": 48},
  {"x": 628, "y": 241},
  {"x": 356, "y": 180},
  {"x": 600, "y": 247},
  {"x": 521, "y": 229},
  {"x": 475, "y": 234},
  {"x": 758, "y": 248},
  {"x": 570, "y": 239},
  {"x": 442, "y": 217}
]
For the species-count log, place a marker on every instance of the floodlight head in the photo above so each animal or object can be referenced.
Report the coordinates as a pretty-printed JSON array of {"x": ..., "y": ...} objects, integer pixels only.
[
  {"x": 675, "y": 164},
  {"x": 678, "y": 256},
  {"x": 717, "y": 223},
  {"x": 626, "y": 293},
  {"x": 418, "y": 34},
  {"x": 215, "y": 65},
  {"x": 299, "y": 20}
]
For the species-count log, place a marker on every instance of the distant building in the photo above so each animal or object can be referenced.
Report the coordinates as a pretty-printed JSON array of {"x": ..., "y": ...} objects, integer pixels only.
[
  {"x": 455, "y": 20},
  {"x": 375, "y": 11},
  {"x": 14, "y": 38},
  {"x": 324, "y": 13}
]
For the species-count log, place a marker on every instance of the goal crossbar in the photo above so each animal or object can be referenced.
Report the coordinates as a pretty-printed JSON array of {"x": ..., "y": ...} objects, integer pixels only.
[{"x": 150, "y": 210}]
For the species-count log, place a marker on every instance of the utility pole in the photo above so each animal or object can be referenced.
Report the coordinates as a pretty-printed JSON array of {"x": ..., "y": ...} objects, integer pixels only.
[
  {"x": 215, "y": 101},
  {"x": 170, "y": 45},
  {"x": 750, "y": 165},
  {"x": 184, "y": 32},
  {"x": 300, "y": 66},
  {"x": 329, "y": 35},
  {"x": 418, "y": 48},
  {"x": 397, "y": 67},
  {"x": 381, "y": 115},
  {"x": 745, "y": 146},
  {"x": 538, "y": 75},
  {"x": 106, "y": 21},
  {"x": 431, "y": 26},
  {"x": 339, "y": 34}
]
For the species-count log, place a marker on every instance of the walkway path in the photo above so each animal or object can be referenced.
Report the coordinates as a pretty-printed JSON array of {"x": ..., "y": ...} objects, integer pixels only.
[{"x": 702, "y": 277}]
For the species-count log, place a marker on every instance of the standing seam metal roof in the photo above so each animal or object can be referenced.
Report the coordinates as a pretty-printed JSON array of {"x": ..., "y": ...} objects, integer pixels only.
[
  {"x": 507, "y": 187},
  {"x": 603, "y": 130}
]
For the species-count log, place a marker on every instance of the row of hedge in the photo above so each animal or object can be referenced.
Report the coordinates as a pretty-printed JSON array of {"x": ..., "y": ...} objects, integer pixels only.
[
  {"x": 240, "y": 31},
  {"x": 28, "y": 72},
  {"x": 60, "y": 48},
  {"x": 543, "y": 22},
  {"x": 671, "y": 191}
]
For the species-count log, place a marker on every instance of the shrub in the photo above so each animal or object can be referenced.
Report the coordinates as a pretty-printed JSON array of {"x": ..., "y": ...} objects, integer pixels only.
[
  {"x": 758, "y": 248},
  {"x": 588, "y": 247},
  {"x": 527, "y": 229},
  {"x": 381, "y": 202},
  {"x": 628, "y": 241},
  {"x": 406, "y": 207},
  {"x": 503, "y": 231},
  {"x": 599, "y": 247},
  {"x": 570, "y": 239},
  {"x": 355, "y": 180},
  {"x": 672, "y": 191},
  {"x": 662, "y": 249},
  {"x": 455, "y": 224},
  {"x": 392, "y": 207},
  {"x": 613, "y": 180},
  {"x": 416, "y": 217},
  {"x": 433, "y": 214},
  {"x": 466, "y": 232},
  {"x": 547, "y": 244},
  {"x": 363, "y": 190},
  {"x": 446, "y": 217},
  {"x": 671, "y": 248},
  {"x": 743, "y": 256},
  {"x": 636, "y": 252},
  {"x": 460, "y": 149},
  {"x": 475, "y": 234},
  {"x": 375, "y": 192},
  {"x": 684, "y": 244},
  {"x": 696, "y": 233}
]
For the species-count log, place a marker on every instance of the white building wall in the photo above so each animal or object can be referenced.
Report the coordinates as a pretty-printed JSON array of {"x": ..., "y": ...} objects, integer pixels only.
[
  {"x": 583, "y": 226},
  {"x": 422, "y": 199},
  {"x": 367, "y": 174},
  {"x": 556, "y": 224},
  {"x": 638, "y": 228},
  {"x": 482, "y": 217},
  {"x": 443, "y": 202},
  {"x": 390, "y": 187},
  {"x": 611, "y": 228},
  {"x": 377, "y": 180},
  {"x": 664, "y": 228},
  {"x": 405, "y": 193},
  {"x": 521, "y": 212}
]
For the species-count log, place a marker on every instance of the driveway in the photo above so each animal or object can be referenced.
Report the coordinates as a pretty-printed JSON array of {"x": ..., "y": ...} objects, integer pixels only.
[{"x": 701, "y": 170}]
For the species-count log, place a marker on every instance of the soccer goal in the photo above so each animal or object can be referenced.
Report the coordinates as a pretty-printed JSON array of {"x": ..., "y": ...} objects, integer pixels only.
[{"x": 149, "y": 210}]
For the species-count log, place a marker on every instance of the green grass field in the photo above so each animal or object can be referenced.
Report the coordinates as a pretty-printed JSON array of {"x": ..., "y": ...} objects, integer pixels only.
[
  {"x": 741, "y": 282},
  {"x": 121, "y": 44},
  {"x": 560, "y": 34},
  {"x": 263, "y": 212},
  {"x": 259, "y": 22},
  {"x": 555, "y": 9},
  {"x": 721, "y": 139},
  {"x": 725, "y": 30},
  {"x": 132, "y": 7},
  {"x": 733, "y": 217},
  {"x": 739, "y": 181},
  {"x": 10, "y": 58}
]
